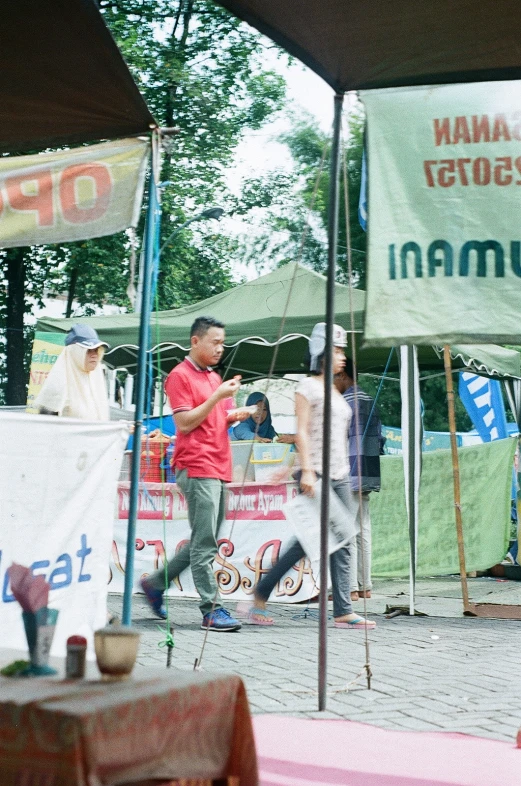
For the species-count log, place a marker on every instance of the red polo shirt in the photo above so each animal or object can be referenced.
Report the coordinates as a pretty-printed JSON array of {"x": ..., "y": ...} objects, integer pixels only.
[{"x": 205, "y": 452}]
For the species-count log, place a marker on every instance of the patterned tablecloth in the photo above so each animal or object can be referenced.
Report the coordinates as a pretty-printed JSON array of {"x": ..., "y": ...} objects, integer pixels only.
[{"x": 181, "y": 725}]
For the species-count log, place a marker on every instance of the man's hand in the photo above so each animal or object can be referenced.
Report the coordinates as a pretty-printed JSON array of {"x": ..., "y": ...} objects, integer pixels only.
[
  {"x": 228, "y": 389},
  {"x": 189, "y": 420}
]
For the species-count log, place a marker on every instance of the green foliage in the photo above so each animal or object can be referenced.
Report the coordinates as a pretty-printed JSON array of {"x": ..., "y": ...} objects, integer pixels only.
[
  {"x": 201, "y": 71},
  {"x": 298, "y": 203},
  {"x": 434, "y": 398}
]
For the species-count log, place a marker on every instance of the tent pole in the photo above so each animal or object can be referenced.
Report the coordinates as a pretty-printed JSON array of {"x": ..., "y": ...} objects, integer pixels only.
[
  {"x": 328, "y": 384},
  {"x": 411, "y": 435},
  {"x": 148, "y": 258},
  {"x": 456, "y": 476}
]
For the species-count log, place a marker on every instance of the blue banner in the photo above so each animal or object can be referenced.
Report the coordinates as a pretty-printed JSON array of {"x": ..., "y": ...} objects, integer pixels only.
[{"x": 483, "y": 401}]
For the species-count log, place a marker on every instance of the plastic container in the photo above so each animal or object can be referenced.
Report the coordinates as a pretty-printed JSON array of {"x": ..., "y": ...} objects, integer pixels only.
[
  {"x": 152, "y": 456},
  {"x": 241, "y": 452},
  {"x": 166, "y": 464},
  {"x": 150, "y": 467},
  {"x": 268, "y": 458}
]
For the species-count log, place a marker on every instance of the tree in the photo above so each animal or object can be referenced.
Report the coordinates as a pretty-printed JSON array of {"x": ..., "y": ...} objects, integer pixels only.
[
  {"x": 201, "y": 71},
  {"x": 301, "y": 197},
  {"x": 434, "y": 399}
]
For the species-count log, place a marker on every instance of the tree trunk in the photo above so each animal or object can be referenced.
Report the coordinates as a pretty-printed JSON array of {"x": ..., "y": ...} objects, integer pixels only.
[
  {"x": 72, "y": 289},
  {"x": 15, "y": 391}
]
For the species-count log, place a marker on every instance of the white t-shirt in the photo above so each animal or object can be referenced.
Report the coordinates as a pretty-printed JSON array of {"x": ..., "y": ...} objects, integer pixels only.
[{"x": 312, "y": 389}]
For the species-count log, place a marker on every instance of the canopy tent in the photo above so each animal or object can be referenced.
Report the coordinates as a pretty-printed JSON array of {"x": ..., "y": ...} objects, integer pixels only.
[
  {"x": 253, "y": 315},
  {"x": 347, "y": 43},
  {"x": 63, "y": 80},
  {"x": 353, "y": 45}
]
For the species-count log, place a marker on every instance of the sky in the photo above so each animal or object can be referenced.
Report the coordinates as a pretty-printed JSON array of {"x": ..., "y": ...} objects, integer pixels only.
[{"x": 259, "y": 152}]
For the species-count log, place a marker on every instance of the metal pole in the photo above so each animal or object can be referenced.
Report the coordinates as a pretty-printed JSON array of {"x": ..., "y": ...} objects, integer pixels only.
[
  {"x": 328, "y": 384},
  {"x": 456, "y": 476},
  {"x": 148, "y": 258}
]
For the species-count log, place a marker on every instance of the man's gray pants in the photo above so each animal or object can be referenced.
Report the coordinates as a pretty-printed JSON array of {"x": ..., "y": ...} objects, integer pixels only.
[{"x": 205, "y": 500}]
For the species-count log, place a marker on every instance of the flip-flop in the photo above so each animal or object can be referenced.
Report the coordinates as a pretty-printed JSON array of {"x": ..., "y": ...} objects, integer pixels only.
[
  {"x": 357, "y": 623},
  {"x": 259, "y": 617}
]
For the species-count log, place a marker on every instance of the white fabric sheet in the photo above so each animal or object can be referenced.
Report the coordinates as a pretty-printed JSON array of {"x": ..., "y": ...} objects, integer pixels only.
[{"x": 58, "y": 486}]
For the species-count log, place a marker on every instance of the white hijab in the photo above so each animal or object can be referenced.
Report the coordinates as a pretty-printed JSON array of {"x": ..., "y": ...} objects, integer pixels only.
[{"x": 73, "y": 392}]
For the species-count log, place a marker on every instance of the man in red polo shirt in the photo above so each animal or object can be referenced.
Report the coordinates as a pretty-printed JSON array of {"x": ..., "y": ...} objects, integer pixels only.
[{"x": 203, "y": 411}]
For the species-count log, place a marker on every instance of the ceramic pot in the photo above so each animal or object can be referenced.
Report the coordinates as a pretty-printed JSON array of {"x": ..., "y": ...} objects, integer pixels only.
[{"x": 116, "y": 651}]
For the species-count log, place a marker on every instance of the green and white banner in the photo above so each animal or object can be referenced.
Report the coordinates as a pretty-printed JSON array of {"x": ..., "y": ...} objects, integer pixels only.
[{"x": 444, "y": 245}]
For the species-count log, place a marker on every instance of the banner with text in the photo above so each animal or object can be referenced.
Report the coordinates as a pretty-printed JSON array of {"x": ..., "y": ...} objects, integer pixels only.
[
  {"x": 251, "y": 538},
  {"x": 57, "y": 497},
  {"x": 255, "y": 531},
  {"x": 72, "y": 194},
  {"x": 444, "y": 253},
  {"x": 46, "y": 348}
]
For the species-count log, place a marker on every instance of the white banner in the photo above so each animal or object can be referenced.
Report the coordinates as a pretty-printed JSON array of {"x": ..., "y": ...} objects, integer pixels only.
[
  {"x": 72, "y": 194},
  {"x": 58, "y": 485},
  {"x": 444, "y": 252},
  {"x": 260, "y": 533}
]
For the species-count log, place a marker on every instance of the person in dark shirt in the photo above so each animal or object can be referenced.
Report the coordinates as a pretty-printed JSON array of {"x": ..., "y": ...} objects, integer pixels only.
[{"x": 365, "y": 446}]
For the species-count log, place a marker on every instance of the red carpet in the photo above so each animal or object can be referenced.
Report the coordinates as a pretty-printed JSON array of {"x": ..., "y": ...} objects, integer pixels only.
[{"x": 300, "y": 752}]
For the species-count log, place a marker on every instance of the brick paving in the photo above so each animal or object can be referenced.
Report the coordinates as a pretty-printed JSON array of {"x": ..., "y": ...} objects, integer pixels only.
[{"x": 438, "y": 672}]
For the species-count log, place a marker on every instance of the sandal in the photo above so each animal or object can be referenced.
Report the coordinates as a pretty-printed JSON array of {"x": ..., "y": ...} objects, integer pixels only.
[
  {"x": 259, "y": 617},
  {"x": 251, "y": 614},
  {"x": 357, "y": 622}
]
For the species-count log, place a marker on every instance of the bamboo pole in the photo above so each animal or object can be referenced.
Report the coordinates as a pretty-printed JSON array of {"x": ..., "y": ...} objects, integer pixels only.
[{"x": 456, "y": 476}]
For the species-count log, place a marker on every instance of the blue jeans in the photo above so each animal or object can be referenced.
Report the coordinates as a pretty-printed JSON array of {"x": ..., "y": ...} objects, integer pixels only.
[{"x": 339, "y": 564}]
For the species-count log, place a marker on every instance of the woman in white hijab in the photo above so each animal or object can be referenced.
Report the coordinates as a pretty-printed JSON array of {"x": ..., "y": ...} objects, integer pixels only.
[{"x": 75, "y": 387}]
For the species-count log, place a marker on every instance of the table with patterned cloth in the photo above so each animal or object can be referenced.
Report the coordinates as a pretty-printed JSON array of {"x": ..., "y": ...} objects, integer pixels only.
[{"x": 92, "y": 733}]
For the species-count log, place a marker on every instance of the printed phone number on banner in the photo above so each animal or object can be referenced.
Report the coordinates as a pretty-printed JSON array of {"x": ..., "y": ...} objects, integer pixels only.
[{"x": 500, "y": 171}]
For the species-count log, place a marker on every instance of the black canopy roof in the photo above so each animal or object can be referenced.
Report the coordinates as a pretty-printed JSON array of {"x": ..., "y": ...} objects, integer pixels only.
[
  {"x": 355, "y": 44},
  {"x": 62, "y": 77}
]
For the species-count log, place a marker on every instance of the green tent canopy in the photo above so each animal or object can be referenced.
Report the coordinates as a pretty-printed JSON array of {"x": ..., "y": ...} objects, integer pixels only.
[{"x": 278, "y": 308}]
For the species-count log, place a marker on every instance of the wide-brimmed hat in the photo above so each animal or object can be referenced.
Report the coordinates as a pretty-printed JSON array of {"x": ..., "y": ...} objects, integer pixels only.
[{"x": 85, "y": 336}]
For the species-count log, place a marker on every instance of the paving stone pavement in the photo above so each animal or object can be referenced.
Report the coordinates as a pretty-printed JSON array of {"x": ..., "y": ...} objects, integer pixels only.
[{"x": 438, "y": 672}]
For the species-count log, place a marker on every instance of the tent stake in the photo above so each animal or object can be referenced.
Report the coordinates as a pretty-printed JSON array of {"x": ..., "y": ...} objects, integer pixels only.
[{"x": 456, "y": 476}]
